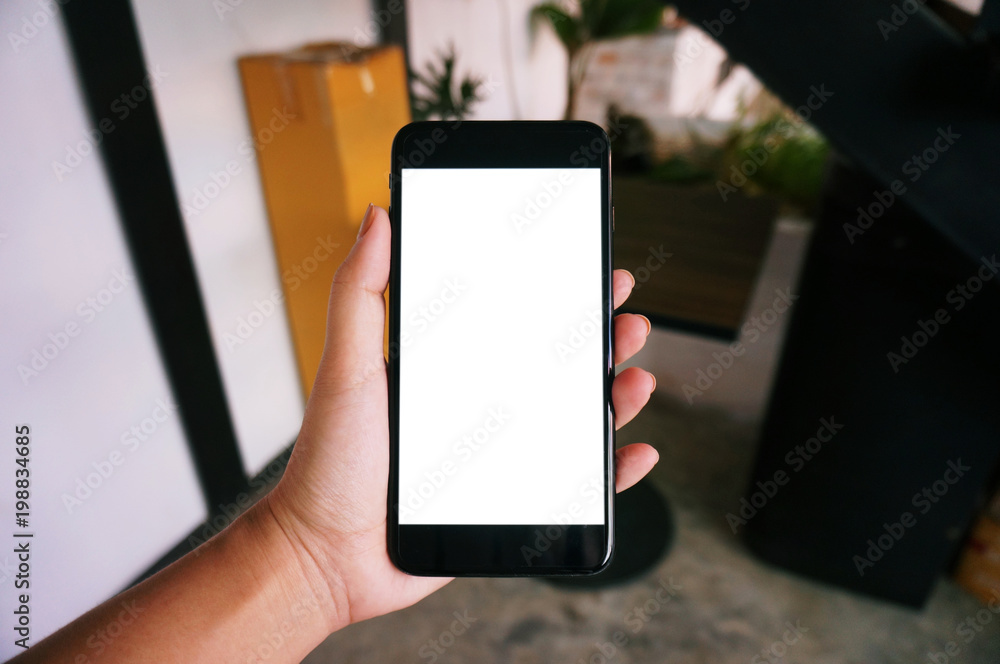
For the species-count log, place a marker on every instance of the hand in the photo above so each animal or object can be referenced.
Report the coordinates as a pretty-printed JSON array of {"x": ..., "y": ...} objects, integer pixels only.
[{"x": 331, "y": 501}]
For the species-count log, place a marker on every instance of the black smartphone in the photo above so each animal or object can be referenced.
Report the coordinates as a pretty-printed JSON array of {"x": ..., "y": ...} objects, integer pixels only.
[{"x": 500, "y": 349}]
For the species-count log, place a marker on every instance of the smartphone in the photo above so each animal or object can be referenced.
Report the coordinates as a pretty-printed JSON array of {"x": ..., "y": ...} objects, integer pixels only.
[{"x": 500, "y": 349}]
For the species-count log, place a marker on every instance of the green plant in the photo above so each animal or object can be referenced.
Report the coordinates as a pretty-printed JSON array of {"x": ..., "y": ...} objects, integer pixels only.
[
  {"x": 436, "y": 94},
  {"x": 786, "y": 156},
  {"x": 681, "y": 169},
  {"x": 699, "y": 162},
  {"x": 596, "y": 19},
  {"x": 779, "y": 155}
]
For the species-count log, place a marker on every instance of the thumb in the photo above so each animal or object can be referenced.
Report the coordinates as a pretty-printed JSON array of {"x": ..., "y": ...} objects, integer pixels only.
[{"x": 352, "y": 355}]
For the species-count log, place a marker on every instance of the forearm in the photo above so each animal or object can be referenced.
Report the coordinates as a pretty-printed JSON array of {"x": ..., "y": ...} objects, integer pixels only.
[{"x": 244, "y": 596}]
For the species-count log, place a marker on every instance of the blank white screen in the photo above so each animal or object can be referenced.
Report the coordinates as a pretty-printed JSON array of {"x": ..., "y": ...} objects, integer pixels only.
[{"x": 501, "y": 355}]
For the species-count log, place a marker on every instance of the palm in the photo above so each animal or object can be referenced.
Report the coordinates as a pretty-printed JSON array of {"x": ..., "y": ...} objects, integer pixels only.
[
  {"x": 333, "y": 495},
  {"x": 340, "y": 469}
]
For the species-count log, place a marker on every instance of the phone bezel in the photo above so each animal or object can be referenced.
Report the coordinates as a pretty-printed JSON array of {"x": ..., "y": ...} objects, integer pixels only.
[{"x": 491, "y": 550}]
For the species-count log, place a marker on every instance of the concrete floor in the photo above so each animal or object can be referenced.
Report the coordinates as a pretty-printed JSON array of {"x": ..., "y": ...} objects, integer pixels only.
[{"x": 708, "y": 600}]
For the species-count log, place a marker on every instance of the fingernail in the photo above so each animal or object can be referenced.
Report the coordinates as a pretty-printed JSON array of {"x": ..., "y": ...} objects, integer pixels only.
[
  {"x": 631, "y": 276},
  {"x": 649, "y": 326},
  {"x": 367, "y": 221},
  {"x": 654, "y": 381}
]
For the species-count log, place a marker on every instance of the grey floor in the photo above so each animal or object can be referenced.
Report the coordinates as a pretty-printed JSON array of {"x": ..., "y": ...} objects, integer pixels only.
[{"x": 725, "y": 605}]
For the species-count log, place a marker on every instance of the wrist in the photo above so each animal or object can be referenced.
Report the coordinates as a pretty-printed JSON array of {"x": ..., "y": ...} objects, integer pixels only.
[{"x": 312, "y": 592}]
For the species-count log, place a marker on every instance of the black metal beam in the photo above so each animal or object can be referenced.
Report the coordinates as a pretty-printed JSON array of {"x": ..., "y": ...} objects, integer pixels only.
[
  {"x": 223, "y": 514},
  {"x": 391, "y": 17},
  {"x": 116, "y": 88},
  {"x": 988, "y": 23},
  {"x": 899, "y": 79}
]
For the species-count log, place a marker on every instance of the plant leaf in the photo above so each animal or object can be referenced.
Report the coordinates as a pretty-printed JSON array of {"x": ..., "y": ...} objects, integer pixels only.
[
  {"x": 566, "y": 26},
  {"x": 618, "y": 18}
]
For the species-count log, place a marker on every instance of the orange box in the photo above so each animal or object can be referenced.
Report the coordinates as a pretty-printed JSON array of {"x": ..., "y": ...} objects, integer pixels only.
[{"x": 323, "y": 118}]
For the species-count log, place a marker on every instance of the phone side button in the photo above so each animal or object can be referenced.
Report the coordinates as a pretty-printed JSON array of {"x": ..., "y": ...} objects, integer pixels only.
[{"x": 612, "y": 217}]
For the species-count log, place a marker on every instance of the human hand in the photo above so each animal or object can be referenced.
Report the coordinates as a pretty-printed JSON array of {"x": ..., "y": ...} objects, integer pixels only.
[{"x": 331, "y": 502}]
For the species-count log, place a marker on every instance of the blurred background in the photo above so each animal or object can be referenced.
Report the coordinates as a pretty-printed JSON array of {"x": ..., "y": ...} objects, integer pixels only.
[{"x": 805, "y": 193}]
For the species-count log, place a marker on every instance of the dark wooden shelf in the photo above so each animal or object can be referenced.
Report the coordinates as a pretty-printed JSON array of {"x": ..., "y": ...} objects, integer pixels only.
[{"x": 717, "y": 250}]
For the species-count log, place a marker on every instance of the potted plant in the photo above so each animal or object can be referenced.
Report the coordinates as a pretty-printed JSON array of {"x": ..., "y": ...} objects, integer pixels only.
[{"x": 437, "y": 93}]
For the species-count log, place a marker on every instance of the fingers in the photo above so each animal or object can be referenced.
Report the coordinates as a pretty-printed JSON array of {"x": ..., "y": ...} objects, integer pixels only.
[
  {"x": 632, "y": 387},
  {"x": 630, "y": 392},
  {"x": 631, "y": 331},
  {"x": 356, "y": 313},
  {"x": 622, "y": 283},
  {"x": 632, "y": 463}
]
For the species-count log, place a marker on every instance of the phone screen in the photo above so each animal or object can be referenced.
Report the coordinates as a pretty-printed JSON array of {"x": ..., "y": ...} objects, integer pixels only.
[
  {"x": 500, "y": 359},
  {"x": 501, "y": 428}
]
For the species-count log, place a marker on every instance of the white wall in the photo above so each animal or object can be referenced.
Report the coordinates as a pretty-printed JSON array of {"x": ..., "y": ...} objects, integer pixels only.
[
  {"x": 529, "y": 85},
  {"x": 203, "y": 116},
  {"x": 60, "y": 244},
  {"x": 668, "y": 77}
]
